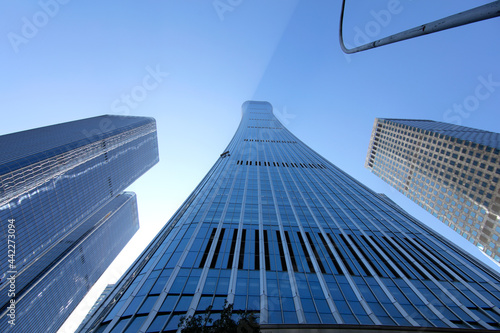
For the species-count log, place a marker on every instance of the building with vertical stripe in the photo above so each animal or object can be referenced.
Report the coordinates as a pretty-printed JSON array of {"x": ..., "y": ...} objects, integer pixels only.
[
  {"x": 63, "y": 214},
  {"x": 449, "y": 170},
  {"x": 277, "y": 229}
]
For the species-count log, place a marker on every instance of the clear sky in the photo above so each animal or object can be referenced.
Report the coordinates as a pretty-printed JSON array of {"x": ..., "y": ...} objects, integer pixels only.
[{"x": 191, "y": 64}]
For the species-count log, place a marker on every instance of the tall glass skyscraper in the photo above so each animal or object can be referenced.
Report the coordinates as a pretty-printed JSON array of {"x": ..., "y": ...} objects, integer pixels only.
[
  {"x": 60, "y": 202},
  {"x": 451, "y": 171},
  {"x": 277, "y": 229},
  {"x": 50, "y": 300}
]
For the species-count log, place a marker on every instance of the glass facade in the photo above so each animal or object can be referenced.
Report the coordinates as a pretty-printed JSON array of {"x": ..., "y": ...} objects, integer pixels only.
[
  {"x": 54, "y": 179},
  {"x": 97, "y": 303},
  {"x": 451, "y": 171},
  {"x": 54, "y": 295},
  {"x": 277, "y": 229}
]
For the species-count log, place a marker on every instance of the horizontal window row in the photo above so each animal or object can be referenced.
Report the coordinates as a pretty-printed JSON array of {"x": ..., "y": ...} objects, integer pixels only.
[
  {"x": 283, "y": 164},
  {"x": 273, "y": 141},
  {"x": 267, "y": 127}
]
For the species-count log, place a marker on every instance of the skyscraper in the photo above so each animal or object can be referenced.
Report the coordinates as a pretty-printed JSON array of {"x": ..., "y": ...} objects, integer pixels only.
[
  {"x": 51, "y": 298},
  {"x": 61, "y": 193},
  {"x": 100, "y": 299},
  {"x": 451, "y": 171},
  {"x": 277, "y": 229}
]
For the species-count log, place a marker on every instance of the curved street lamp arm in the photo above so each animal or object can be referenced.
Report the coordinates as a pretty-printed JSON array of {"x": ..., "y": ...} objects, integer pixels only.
[{"x": 480, "y": 13}]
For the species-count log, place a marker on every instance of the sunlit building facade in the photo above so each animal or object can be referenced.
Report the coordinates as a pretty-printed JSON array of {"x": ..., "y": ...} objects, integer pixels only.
[
  {"x": 277, "y": 229},
  {"x": 451, "y": 171},
  {"x": 54, "y": 182}
]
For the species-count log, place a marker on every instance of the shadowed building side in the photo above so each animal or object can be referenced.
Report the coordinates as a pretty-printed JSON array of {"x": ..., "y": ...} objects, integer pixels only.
[{"x": 56, "y": 293}]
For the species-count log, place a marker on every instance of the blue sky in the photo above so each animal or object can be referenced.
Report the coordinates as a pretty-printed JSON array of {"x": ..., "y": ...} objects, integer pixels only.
[{"x": 191, "y": 64}]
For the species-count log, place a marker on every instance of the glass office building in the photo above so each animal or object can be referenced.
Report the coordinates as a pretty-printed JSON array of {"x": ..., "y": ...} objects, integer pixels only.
[
  {"x": 97, "y": 303},
  {"x": 277, "y": 229},
  {"x": 53, "y": 180},
  {"x": 451, "y": 171},
  {"x": 50, "y": 300}
]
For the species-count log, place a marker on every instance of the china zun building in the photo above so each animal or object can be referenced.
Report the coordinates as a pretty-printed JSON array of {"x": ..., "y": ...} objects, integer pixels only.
[
  {"x": 451, "y": 171},
  {"x": 61, "y": 191},
  {"x": 277, "y": 229}
]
